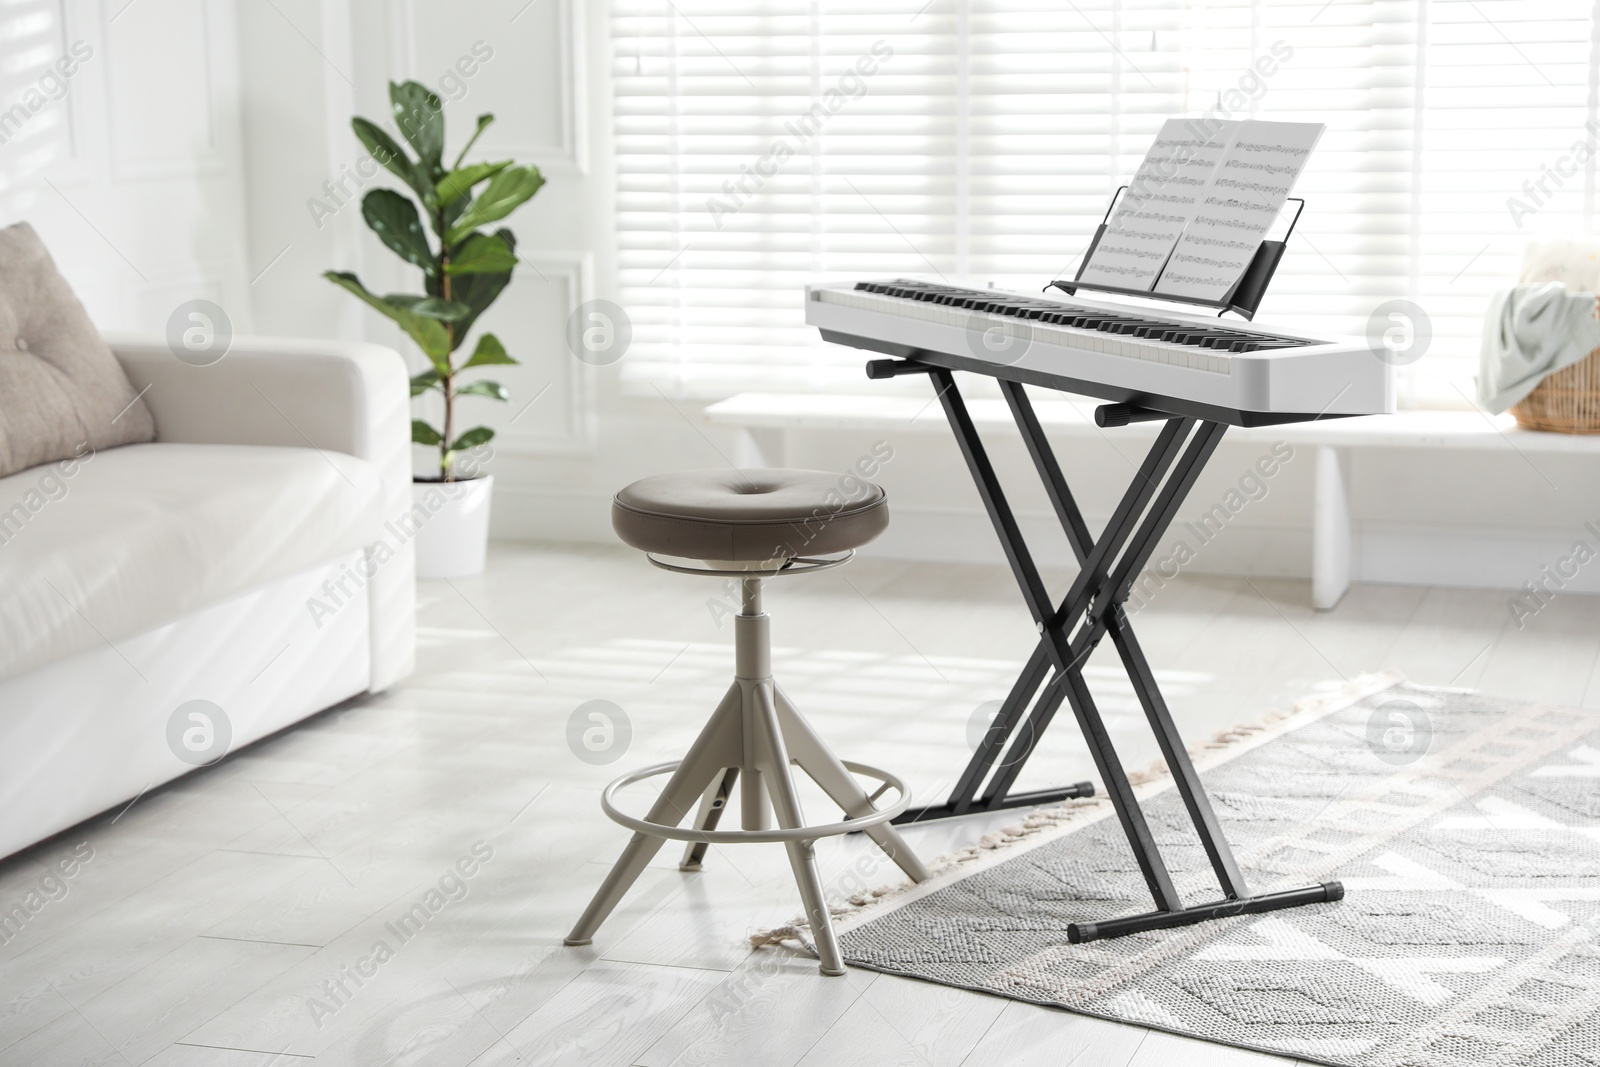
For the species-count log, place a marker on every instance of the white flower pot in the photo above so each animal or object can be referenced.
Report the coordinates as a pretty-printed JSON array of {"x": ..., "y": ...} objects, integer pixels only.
[{"x": 452, "y": 526}]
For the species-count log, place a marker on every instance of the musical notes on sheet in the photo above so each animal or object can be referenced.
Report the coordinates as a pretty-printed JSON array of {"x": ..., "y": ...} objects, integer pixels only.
[
  {"x": 1160, "y": 203},
  {"x": 1199, "y": 206},
  {"x": 1245, "y": 194}
]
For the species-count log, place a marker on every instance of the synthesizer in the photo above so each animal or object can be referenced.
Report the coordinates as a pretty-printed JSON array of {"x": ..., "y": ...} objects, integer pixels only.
[{"x": 1232, "y": 372}]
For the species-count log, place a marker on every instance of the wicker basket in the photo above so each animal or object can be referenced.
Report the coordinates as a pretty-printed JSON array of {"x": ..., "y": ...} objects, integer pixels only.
[{"x": 1567, "y": 401}]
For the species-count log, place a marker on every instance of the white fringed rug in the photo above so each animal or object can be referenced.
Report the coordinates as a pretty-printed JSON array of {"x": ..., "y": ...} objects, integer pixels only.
[{"x": 1466, "y": 831}]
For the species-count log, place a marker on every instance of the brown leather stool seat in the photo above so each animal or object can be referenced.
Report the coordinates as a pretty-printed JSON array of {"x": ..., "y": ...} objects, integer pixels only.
[{"x": 745, "y": 515}]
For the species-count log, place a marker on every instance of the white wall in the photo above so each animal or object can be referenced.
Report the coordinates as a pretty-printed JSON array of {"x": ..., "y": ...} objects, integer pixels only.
[{"x": 129, "y": 165}]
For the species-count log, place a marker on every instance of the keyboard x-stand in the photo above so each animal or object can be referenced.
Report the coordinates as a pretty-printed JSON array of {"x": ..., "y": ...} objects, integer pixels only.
[{"x": 1092, "y": 609}]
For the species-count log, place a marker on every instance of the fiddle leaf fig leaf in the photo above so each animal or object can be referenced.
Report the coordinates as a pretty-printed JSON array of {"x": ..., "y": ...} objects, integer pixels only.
[
  {"x": 391, "y": 156},
  {"x": 478, "y": 291},
  {"x": 421, "y": 383},
  {"x": 429, "y": 333},
  {"x": 490, "y": 352},
  {"x": 506, "y": 191},
  {"x": 423, "y": 434},
  {"x": 493, "y": 390},
  {"x": 419, "y": 115},
  {"x": 460, "y": 181},
  {"x": 472, "y": 438},
  {"x": 481, "y": 253},
  {"x": 394, "y": 219}
]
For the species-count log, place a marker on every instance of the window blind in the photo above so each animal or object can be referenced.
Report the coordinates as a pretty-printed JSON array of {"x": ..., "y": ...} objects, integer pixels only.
[{"x": 763, "y": 145}]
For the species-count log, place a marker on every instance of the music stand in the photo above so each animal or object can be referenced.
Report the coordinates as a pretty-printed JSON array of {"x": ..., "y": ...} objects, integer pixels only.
[{"x": 1243, "y": 297}]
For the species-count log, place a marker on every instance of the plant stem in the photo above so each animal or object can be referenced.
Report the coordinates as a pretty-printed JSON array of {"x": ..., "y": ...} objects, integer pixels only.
[{"x": 448, "y": 380}]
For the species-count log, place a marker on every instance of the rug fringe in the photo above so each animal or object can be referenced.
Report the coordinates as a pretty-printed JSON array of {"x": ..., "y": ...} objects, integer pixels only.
[{"x": 1067, "y": 814}]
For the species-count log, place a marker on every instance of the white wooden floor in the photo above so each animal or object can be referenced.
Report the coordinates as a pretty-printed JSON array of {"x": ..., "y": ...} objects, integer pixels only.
[{"x": 217, "y": 913}]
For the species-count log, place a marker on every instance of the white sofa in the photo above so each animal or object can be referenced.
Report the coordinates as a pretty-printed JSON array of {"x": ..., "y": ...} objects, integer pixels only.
[{"x": 256, "y": 555}]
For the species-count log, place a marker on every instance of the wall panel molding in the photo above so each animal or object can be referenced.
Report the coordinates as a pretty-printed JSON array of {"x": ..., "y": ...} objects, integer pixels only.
[
  {"x": 573, "y": 386},
  {"x": 569, "y": 152},
  {"x": 121, "y": 71}
]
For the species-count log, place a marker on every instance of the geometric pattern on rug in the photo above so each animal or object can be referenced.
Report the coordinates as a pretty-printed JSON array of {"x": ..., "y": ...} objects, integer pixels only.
[{"x": 1469, "y": 933}]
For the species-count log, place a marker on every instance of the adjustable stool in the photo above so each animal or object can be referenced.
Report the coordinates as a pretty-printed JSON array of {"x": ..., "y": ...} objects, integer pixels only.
[{"x": 751, "y": 525}]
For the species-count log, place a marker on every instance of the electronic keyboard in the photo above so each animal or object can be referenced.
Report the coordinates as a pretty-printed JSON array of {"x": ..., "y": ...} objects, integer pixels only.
[{"x": 1165, "y": 361}]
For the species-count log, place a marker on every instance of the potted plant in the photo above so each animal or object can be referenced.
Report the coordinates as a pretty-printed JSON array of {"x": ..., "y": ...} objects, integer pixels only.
[{"x": 464, "y": 268}]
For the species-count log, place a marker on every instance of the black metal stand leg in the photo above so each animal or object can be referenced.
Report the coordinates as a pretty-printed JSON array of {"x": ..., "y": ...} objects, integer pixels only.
[
  {"x": 1129, "y": 814},
  {"x": 1009, "y": 726},
  {"x": 1039, "y": 720},
  {"x": 1184, "y": 776},
  {"x": 1044, "y": 459},
  {"x": 1000, "y": 732}
]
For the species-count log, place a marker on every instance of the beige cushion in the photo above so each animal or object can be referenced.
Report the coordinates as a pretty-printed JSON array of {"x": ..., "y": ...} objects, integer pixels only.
[
  {"x": 62, "y": 392},
  {"x": 734, "y": 515}
]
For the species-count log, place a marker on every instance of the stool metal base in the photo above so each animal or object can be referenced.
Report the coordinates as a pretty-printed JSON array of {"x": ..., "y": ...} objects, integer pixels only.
[{"x": 751, "y": 740}]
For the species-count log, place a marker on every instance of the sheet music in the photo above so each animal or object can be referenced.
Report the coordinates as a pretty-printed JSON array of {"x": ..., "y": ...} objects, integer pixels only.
[
  {"x": 1162, "y": 200},
  {"x": 1244, "y": 196}
]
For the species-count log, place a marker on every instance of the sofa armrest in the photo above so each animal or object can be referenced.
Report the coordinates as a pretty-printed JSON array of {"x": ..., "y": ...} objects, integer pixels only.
[
  {"x": 343, "y": 396},
  {"x": 340, "y": 396}
]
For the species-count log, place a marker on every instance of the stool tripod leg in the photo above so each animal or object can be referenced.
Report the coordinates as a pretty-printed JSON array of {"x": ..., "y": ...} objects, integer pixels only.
[
  {"x": 815, "y": 758},
  {"x": 712, "y": 804},
  {"x": 719, "y": 745},
  {"x": 763, "y": 720}
]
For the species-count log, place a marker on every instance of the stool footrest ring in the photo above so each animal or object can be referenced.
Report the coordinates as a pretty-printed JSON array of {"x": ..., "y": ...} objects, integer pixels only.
[
  {"x": 736, "y": 837},
  {"x": 792, "y": 565}
]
